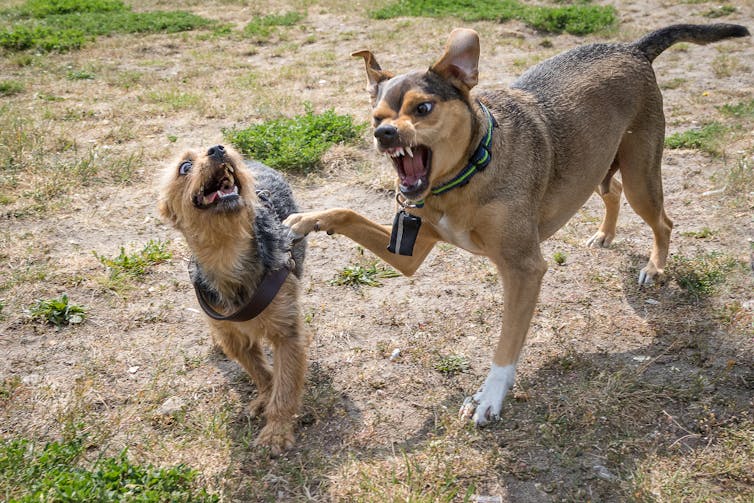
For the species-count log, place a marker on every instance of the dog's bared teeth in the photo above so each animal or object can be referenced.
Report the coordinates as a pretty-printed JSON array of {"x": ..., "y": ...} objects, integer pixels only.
[
  {"x": 400, "y": 152},
  {"x": 410, "y": 152}
]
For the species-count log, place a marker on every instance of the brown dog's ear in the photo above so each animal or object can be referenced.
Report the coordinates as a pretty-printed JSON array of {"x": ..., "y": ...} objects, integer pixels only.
[
  {"x": 375, "y": 74},
  {"x": 460, "y": 62}
]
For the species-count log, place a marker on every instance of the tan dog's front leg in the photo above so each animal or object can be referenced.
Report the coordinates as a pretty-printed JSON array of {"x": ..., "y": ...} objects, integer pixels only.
[
  {"x": 522, "y": 278},
  {"x": 372, "y": 236}
]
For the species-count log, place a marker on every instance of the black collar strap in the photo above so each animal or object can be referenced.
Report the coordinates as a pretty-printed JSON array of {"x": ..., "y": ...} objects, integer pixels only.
[
  {"x": 479, "y": 160},
  {"x": 263, "y": 297}
]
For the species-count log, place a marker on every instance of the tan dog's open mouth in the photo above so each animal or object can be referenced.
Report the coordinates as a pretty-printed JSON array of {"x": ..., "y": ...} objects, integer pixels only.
[
  {"x": 220, "y": 192},
  {"x": 412, "y": 165}
]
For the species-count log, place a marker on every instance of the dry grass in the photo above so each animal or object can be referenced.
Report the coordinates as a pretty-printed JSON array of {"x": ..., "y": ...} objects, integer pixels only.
[{"x": 623, "y": 394}]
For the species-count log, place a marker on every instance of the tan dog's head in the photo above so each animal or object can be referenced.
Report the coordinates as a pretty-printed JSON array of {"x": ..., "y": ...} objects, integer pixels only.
[
  {"x": 200, "y": 188},
  {"x": 423, "y": 120}
]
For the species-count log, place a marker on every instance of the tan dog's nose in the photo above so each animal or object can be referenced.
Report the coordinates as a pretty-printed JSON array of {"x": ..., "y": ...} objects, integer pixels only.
[{"x": 386, "y": 134}]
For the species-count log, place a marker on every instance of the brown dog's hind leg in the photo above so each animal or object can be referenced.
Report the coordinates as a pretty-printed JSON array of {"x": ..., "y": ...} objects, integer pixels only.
[
  {"x": 611, "y": 197},
  {"x": 288, "y": 377},
  {"x": 640, "y": 157},
  {"x": 248, "y": 353}
]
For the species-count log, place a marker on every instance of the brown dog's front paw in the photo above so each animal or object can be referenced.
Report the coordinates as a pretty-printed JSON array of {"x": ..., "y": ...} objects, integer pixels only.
[
  {"x": 277, "y": 437},
  {"x": 256, "y": 407}
]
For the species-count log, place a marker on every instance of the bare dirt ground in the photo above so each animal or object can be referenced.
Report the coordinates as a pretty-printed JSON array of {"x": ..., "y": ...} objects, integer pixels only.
[{"x": 622, "y": 393}]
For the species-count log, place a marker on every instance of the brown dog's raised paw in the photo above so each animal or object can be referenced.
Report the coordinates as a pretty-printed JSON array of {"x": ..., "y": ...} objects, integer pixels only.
[{"x": 278, "y": 437}]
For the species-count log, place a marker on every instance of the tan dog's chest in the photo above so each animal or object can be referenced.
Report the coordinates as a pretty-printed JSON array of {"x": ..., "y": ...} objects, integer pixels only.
[{"x": 458, "y": 233}]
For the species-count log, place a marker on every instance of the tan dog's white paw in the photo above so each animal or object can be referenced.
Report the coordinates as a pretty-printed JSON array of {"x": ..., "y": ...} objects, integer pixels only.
[
  {"x": 649, "y": 275},
  {"x": 484, "y": 407},
  {"x": 301, "y": 224},
  {"x": 600, "y": 240}
]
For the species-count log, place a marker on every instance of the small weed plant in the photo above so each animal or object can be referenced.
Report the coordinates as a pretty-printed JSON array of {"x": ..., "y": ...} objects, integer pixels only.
[
  {"x": 742, "y": 110},
  {"x": 261, "y": 28},
  {"x": 136, "y": 264},
  {"x": 706, "y": 138},
  {"x": 56, "y": 472},
  {"x": 451, "y": 364},
  {"x": 700, "y": 276},
  {"x": 369, "y": 275},
  {"x": 559, "y": 257},
  {"x": 10, "y": 87},
  {"x": 297, "y": 143},
  {"x": 574, "y": 19},
  {"x": 58, "y": 312}
]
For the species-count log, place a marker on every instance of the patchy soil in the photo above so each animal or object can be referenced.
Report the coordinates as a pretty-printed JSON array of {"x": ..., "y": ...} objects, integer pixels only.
[{"x": 622, "y": 393}]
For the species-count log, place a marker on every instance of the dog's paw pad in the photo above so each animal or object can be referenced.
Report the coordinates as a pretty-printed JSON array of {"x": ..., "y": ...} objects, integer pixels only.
[{"x": 467, "y": 408}]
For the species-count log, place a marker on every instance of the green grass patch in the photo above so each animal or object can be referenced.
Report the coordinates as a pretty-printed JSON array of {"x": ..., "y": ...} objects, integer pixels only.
[
  {"x": 706, "y": 138},
  {"x": 297, "y": 143},
  {"x": 559, "y": 257},
  {"x": 58, "y": 312},
  {"x": 44, "y": 8},
  {"x": 357, "y": 275},
  {"x": 721, "y": 11},
  {"x": 574, "y": 19},
  {"x": 64, "y": 25},
  {"x": 261, "y": 28},
  {"x": 136, "y": 264},
  {"x": 10, "y": 87},
  {"x": 699, "y": 276},
  {"x": 57, "y": 471},
  {"x": 742, "y": 110}
]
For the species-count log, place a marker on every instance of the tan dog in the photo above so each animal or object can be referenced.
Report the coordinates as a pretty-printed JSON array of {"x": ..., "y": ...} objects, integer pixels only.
[
  {"x": 563, "y": 128},
  {"x": 230, "y": 213}
]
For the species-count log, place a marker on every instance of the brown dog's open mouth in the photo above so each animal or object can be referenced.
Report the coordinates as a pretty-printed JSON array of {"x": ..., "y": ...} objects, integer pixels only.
[
  {"x": 221, "y": 192},
  {"x": 412, "y": 165}
]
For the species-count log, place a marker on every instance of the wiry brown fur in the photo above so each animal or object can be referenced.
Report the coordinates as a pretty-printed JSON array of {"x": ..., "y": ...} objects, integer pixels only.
[
  {"x": 225, "y": 250},
  {"x": 564, "y": 128}
]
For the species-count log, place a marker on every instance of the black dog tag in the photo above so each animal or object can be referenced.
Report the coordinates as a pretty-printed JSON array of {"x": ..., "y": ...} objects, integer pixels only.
[{"x": 405, "y": 229}]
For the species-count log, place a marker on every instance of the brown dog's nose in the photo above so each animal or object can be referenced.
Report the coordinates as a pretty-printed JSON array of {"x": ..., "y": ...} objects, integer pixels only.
[
  {"x": 218, "y": 152},
  {"x": 386, "y": 134}
]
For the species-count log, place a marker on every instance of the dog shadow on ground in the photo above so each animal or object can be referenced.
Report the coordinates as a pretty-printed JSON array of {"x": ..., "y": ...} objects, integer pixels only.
[{"x": 579, "y": 427}]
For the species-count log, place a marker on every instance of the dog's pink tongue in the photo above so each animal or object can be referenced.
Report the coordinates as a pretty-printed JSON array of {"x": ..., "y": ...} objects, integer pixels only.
[
  {"x": 413, "y": 168},
  {"x": 209, "y": 199}
]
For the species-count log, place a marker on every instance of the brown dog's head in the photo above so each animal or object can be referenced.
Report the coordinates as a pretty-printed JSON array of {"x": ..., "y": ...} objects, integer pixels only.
[
  {"x": 423, "y": 120},
  {"x": 200, "y": 186}
]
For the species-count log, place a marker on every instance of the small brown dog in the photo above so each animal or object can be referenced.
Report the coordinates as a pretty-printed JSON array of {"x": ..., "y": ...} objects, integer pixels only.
[
  {"x": 498, "y": 172},
  {"x": 230, "y": 213}
]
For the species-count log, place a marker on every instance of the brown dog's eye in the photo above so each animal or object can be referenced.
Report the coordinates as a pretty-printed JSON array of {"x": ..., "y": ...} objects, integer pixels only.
[
  {"x": 185, "y": 167},
  {"x": 423, "y": 108}
]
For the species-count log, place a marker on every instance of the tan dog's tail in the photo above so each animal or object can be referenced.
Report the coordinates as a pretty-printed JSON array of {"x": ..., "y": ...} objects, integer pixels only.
[{"x": 657, "y": 41}]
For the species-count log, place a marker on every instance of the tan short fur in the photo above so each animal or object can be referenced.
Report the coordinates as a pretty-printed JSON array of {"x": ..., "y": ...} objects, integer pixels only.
[{"x": 564, "y": 128}]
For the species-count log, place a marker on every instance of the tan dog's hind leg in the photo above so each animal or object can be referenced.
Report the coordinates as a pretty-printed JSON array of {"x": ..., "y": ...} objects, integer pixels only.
[
  {"x": 288, "y": 377},
  {"x": 640, "y": 156},
  {"x": 606, "y": 233},
  {"x": 370, "y": 235},
  {"x": 522, "y": 278}
]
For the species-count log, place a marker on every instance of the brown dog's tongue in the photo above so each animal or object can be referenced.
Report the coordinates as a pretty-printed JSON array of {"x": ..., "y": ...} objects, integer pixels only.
[{"x": 413, "y": 167}]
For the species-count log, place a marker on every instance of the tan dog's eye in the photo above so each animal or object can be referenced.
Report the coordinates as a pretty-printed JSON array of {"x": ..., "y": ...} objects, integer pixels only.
[
  {"x": 185, "y": 167},
  {"x": 424, "y": 108}
]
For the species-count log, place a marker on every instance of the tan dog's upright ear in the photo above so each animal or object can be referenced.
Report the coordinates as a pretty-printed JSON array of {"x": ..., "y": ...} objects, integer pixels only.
[
  {"x": 375, "y": 74},
  {"x": 460, "y": 62}
]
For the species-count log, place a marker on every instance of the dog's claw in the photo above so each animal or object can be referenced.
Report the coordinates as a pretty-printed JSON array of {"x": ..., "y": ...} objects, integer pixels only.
[{"x": 600, "y": 240}]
